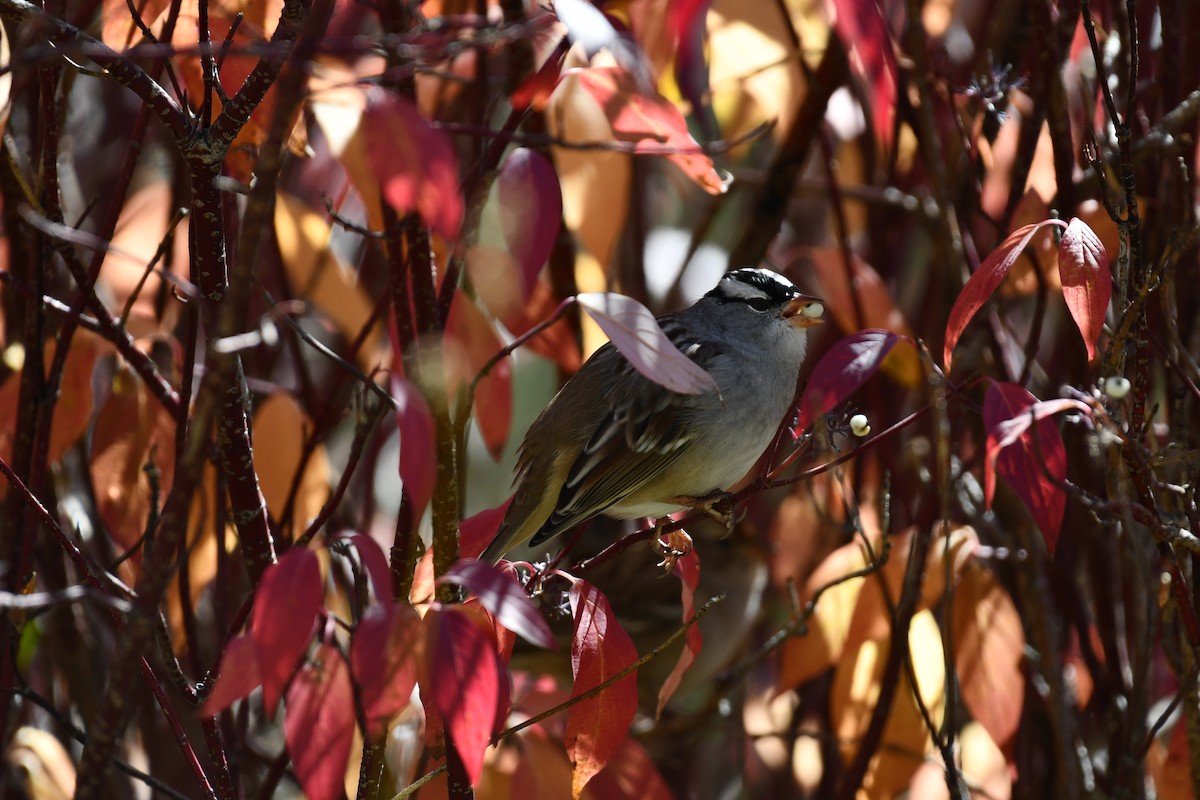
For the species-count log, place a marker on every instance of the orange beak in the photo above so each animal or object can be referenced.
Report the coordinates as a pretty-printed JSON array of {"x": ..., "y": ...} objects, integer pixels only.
[{"x": 804, "y": 311}]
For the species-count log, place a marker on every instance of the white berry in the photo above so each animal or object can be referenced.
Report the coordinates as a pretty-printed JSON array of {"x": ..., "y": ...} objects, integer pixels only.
[
  {"x": 1116, "y": 388},
  {"x": 859, "y": 425},
  {"x": 813, "y": 310}
]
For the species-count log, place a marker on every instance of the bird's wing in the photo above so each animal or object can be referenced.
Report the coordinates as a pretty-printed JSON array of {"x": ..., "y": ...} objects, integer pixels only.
[{"x": 643, "y": 432}]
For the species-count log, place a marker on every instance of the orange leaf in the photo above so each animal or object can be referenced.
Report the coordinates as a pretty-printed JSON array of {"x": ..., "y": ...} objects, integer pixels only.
[
  {"x": 652, "y": 123},
  {"x": 989, "y": 648},
  {"x": 131, "y": 430}
]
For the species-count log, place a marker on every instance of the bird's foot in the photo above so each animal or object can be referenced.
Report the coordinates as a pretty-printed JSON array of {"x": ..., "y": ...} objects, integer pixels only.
[
  {"x": 716, "y": 504},
  {"x": 673, "y": 546}
]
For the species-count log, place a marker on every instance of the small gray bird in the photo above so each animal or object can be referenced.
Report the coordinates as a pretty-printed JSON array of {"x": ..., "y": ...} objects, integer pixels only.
[{"x": 614, "y": 442}]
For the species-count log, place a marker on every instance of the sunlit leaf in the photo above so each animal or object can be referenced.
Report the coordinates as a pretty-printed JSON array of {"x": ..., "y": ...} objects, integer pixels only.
[
  {"x": 317, "y": 274},
  {"x": 318, "y": 724},
  {"x": 687, "y": 569},
  {"x": 652, "y": 123},
  {"x": 1032, "y": 464},
  {"x": 280, "y": 426},
  {"x": 415, "y": 163},
  {"x": 636, "y": 333},
  {"x": 383, "y": 660},
  {"x": 1086, "y": 280},
  {"x": 285, "y": 609},
  {"x": 503, "y": 597},
  {"x": 989, "y": 653},
  {"x": 600, "y": 649}
]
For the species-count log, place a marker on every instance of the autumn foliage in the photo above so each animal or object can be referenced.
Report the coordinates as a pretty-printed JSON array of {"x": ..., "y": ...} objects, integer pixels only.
[{"x": 283, "y": 282}]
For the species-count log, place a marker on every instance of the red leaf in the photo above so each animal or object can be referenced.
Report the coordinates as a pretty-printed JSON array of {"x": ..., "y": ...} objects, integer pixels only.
[
  {"x": 501, "y": 595},
  {"x": 286, "y": 606},
  {"x": 630, "y": 775},
  {"x": 534, "y": 91},
  {"x": 376, "y": 564},
  {"x": 318, "y": 725},
  {"x": 840, "y": 372},
  {"x": 861, "y": 26},
  {"x": 635, "y": 332},
  {"x": 462, "y": 678},
  {"x": 530, "y": 211},
  {"x": 687, "y": 21},
  {"x": 989, "y": 653},
  {"x": 415, "y": 163},
  {"x": 382, "y": 661},
  {"x": 990, "y": 274},
  {"x": 1025, "y": 466},
  {"x": 1086, "y": 280},
  {"x": 688, "y": 570},
  {"x": 475, "y": 533},
  {"x": 239, "y": 675},
  {"x": 652, "y": 123},
  {"x": 601, "y": 649},
  {"x": 417, "y": 463}
]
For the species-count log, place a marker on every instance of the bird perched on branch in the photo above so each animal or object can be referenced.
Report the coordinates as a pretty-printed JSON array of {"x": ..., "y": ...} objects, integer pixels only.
[{"x": 615, "y": 442}]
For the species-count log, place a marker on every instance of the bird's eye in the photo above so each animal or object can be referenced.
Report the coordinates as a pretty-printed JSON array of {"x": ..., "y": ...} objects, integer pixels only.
[{"x": 758, "y": 303}]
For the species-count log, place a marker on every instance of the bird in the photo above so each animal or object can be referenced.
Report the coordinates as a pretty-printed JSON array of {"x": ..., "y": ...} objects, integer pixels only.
[{"x": 614, "y": 442}]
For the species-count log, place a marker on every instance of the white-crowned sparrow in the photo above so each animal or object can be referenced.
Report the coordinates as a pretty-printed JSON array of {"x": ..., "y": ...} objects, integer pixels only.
[{"x": 614, "y": 442}]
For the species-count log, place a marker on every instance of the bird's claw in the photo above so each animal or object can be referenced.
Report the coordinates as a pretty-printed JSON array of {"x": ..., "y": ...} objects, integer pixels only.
[{"x": 673, "y": 546}]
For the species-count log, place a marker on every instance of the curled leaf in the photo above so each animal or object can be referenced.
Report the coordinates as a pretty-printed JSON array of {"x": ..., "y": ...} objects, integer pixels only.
[
  {"x": 636, "y": 333},
  {"x": 503, "y": 597},
  {"x": 688, "y": 570},
  {"x": 1086, "y": 280},
  {"x": 1035, "y": 461},
  {"x": 983, "y": 283}
]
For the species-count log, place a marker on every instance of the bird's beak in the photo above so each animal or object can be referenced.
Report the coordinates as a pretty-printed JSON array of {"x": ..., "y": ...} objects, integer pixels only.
[{"x": 804, "y": 311}]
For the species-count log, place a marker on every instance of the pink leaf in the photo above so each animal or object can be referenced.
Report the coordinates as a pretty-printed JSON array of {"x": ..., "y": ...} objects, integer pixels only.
[
  {"x": 415, "y": 163},
  {"x": 287, "y": 604},
  {"x": 652, "y": 123},
  {"x": 601, "y": 649},
  {"x": 239, "y": 675},
  {"x": 861, "y": 26},
  {"x": 979, "y": 288},
  {"x": 688, "y": 570},
  {"x": 376, "y": 564},
  {"x": 501, "y": 595},
  {"x": 381, "y": 659},
  {"x": 840, "y": 372},
  {"x": 462, "y": 678},
  {"x": 319, "y": 724},
  {"x": 635, "y": 332},
  {"x": 493, "y": 407},
  {"x": 1025, "y": 464},
  {"x": 1086, "y": 280},
  {"x": 417, "y": 463},
  {"x": 475, "y": 533},
  {"x": 530, "y": 211}
]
